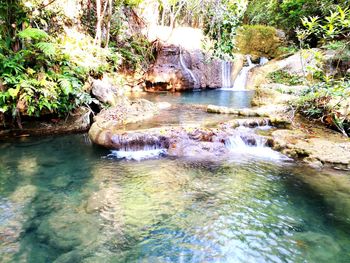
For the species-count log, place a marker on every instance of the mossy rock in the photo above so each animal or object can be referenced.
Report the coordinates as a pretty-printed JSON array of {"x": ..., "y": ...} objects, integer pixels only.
[{"x": 259, "y": 41}]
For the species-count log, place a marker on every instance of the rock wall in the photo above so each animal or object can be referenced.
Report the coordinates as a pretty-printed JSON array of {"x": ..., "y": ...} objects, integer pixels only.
[{"x": 167, "y": 73}]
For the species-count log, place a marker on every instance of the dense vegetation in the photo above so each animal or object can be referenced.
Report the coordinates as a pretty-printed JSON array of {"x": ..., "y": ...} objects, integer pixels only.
[{"x": 49, "y": 51}]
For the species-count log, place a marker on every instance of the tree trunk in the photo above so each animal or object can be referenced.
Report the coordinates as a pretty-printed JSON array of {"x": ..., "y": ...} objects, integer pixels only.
[
  {"x": 98, "y": 35},
  {"x": 109, "y": 17},
  {"x": 100, "y": 16}
]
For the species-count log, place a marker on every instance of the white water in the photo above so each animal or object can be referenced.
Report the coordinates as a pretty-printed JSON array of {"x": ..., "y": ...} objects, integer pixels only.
[
  {"x": 241, "y": 80},
  {"x": 226, "y": 68},
  {"x": 236, "y": 145},
  {"x": 138, "y": 155},
  {"x": 246, "y": 142},
  {"x": 183, "y": 65},
  {"x": 263, "y": 61}
]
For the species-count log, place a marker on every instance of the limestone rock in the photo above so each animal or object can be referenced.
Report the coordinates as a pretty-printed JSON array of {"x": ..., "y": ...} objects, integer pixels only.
[
  {"x": 327, "y": 149},
  {"x": 104, "y": 91},
  {"x": 168, "y": 72}
]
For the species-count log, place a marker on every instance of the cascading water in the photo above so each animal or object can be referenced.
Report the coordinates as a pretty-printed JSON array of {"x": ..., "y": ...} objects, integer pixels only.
[
  {"x": 245, "y": 141},
  {"x": 226, "y": 68},
  {"x": 188, "y": 71},
  {"x": 148, "y": 152},
  {"x": 263, "y": 61},
  {"x": 138, "y": 147},
  {"x": 241, "y": 80}
]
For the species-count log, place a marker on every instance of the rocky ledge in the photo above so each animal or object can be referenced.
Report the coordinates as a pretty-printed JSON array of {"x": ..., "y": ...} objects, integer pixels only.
[
  {"x": 75, "y": 122},
  {"x": 314, "y": 144},
  {"x": 185, "y": 141}
]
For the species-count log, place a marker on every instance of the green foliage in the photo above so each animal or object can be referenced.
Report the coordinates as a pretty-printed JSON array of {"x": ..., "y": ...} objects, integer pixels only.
[
  {"x": 40, "y": 79},
  {"x": 283, "y": 77},
  {"x": 33, "y": 34},
  {"x": 286, "y": 14},
  {"x": 221, "y": 21},
  {"x": 258, "y": 40},
  {"x": 327, "y": 102},
  {"x": 333, "y": 26},
  {"x": 137, "y": 53}
]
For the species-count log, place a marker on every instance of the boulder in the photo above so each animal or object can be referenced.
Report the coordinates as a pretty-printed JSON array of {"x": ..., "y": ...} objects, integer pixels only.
[{"x": 104, "y": 91}]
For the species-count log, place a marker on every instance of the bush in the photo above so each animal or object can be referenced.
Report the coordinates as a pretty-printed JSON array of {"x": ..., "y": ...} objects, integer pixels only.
[
  {"x": 40, "y": 78},
  {"x": 283, "y": 77},
  {"x": 258, "y": 40},
  {"x": 328, "y": 102},
  {"x": 286, "y": 14}
]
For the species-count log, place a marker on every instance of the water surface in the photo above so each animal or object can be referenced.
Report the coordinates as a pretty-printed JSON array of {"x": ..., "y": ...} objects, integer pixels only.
[
  {"x": 61, "y": 200},
  {"x": 220, "y": 97}
]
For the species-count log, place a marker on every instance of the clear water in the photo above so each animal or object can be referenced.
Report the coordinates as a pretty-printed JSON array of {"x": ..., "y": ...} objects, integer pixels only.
[
  {"x": 61, "y": 200},
  {"x": 183, "y": 115},
  {"x": 220, "y": 97}
]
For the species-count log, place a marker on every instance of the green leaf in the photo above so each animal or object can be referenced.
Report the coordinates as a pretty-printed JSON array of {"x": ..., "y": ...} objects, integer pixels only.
[
  {"x": 13, "y": 92},
  {"x": 49, "y": 49},
  {"x": 33, "y": 33}
]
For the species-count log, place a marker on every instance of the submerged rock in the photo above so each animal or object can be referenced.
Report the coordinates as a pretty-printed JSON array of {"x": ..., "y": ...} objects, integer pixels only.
[{"x": 68, "y": 229}]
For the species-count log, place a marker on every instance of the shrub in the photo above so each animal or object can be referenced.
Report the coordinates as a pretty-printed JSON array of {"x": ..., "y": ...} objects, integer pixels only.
[
  {"x": 327, "y": 102},
  {"x": 258, "y": 40},
  {"x": 40, "y": 78},
  {"x": 283, "y": 77}
]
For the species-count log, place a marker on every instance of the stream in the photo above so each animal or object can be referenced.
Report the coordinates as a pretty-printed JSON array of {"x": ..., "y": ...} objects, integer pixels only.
[{"x": 63, "y": 199}]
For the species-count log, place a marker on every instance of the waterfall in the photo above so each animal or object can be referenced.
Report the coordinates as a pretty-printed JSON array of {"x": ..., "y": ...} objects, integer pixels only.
[
  {"x": 226, "y": 68},
  {"x": 183, "y": 65},
  {"x": 241, "y": 80},
  {"x": 148, "y": 152},
  {"x": 263, "y": 61}
]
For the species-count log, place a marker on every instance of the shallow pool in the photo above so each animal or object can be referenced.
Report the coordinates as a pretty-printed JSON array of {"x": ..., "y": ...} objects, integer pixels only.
[
  {"x": 228, "y": 98},
  {"x": 62, "y": 200}
]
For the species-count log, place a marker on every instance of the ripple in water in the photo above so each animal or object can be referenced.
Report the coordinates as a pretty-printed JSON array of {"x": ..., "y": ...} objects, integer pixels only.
[{"x": 83, "y": 208}]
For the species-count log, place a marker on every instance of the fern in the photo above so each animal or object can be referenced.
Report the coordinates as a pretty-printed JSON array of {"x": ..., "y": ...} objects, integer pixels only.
[
  {"x": 65, "y": 85},
  {"x": 49, "y": 49},
  {"x": 33, "y": 33}
]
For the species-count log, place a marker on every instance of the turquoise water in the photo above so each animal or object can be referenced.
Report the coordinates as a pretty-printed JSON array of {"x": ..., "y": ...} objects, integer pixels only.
[
  {"x": 62, "y": 200},
  {"x": 227, "y": 98}
]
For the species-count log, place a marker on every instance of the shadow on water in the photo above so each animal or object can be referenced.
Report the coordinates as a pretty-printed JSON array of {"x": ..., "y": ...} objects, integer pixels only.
[{"x": 45, "y": 176}]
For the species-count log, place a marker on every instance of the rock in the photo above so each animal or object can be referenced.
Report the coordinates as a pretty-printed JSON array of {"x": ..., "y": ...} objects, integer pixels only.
[
  {"x": 294, "y": 65},
  {"x": 104, "y": 91},
  {"x": 315, "y": 147},
  {"x": 237, "y": 66},
  {"x": 238, "y": 112},
  {"x": 221, "y": 109},
  {"x": 68, "y": 229},
  {"x": 169, "y": 73},
  {"x": 197, "y": 150},
  {"x": 77, "y": 121},
  {"x": 128, "y": 112}
]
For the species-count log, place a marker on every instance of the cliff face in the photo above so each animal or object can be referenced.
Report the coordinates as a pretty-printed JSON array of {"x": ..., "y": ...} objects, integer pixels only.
[{"x": 177, "y": 69}]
